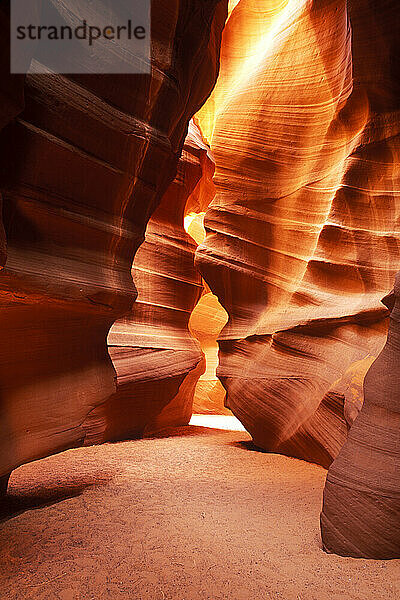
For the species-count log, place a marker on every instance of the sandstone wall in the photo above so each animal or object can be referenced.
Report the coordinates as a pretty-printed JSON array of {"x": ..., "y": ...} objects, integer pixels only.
[
  {"x": 361, "y": 509},
  {"x": 157, "y": 360},
  {"x": 302, "y": 237},
  {"x": 84, "y": 166}
]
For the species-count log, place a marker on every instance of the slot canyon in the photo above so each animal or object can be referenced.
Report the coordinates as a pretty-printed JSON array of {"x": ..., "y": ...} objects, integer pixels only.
[{"x": 200, "y": 293}]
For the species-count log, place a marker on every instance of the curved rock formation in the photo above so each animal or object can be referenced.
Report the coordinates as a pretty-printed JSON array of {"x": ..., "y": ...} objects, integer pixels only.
[
  {"x": 361, "y": 510},
  {"x": 206, "y": 322},
  {"x": 84, "y": 166},
  {"x": 156, "y": 359},
  {"x": 302, "y": 237}
]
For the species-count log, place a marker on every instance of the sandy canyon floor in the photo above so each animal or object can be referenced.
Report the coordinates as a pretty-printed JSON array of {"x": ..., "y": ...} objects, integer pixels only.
[{"x": 196, "y": 514}]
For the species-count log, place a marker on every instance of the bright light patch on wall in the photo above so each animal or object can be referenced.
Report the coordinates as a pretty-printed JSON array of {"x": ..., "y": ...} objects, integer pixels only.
[
  {"x": 232, "y": 5},
  {"x": 194, "y": 226}
]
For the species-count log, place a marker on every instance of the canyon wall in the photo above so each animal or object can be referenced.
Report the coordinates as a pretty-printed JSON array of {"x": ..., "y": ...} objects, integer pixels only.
[
  {"x": 157, "y": 360},
  {"x": 302, "y": 236},
  {"x": 207, "y": 320},
  {"x": 83, "y": 168},
  {"x": 361, "y": 510},
  {"x": 206, "y": 323}
]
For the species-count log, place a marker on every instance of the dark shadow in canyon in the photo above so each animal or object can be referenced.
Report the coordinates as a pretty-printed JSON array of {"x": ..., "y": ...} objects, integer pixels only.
[
  {"x": 249, "y": 445},
  {"x": 17, "y": 502}
]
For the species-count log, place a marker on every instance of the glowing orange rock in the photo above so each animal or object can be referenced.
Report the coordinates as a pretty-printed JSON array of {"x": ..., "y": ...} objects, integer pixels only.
[
  {"x": 302, "y": 237},
  {"x": 206, "y": 322},
  {"x": 157, "y": 360}
]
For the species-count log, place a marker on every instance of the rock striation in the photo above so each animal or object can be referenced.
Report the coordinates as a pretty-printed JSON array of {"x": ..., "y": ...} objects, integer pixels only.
[
  {"x": 361, "y": 509},
  {"x": 206, "y": 322},
  {"x": 83, "y": 168},
  {"x": 302, "y": 236},
  {"x": 157, "y": 360}
]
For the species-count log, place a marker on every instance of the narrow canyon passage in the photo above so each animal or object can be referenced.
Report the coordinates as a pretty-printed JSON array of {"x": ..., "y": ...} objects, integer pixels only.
[
  {"x": 193, "y": 515},
  {"x": 197, "y": 275}
]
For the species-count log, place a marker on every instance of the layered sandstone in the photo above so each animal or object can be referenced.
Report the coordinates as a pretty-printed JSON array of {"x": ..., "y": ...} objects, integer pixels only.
[
  {"x": 206, "y": 323},
  {"x": 83, "y": 168},
  {"x": 157, "y": 360},
  {"x": 361, "y": 510},
  {"x": 302, "y": 236}
]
